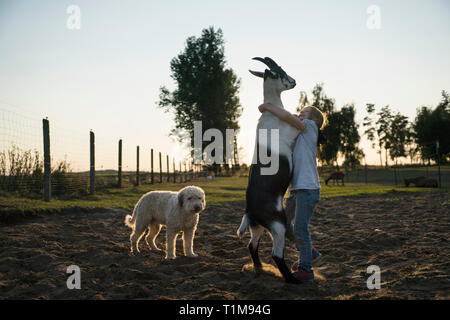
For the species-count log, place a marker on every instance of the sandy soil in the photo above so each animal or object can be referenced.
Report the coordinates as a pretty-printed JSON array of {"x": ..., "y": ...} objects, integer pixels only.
[{"x": 405, "y": 234}]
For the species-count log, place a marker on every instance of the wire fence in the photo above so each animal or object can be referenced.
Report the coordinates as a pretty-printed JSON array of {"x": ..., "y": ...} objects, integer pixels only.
[
  {"x": 80, "y": 162},
  {"x": 73, "y": 172},
  {"x": 394, "y": 175}
]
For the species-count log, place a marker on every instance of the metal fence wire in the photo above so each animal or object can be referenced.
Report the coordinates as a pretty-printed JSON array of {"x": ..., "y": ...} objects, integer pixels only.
[
  {"x": 82, "y": 162},
  {"x": 79, "y": 162}
]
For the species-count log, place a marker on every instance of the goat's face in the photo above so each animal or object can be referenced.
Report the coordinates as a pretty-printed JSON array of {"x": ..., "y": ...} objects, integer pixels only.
[{"x": 275, "y": 76}]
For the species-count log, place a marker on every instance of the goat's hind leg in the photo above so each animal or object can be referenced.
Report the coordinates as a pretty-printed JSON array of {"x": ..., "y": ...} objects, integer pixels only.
[
  {"x": 256, "y": 232},
  {"x": 278, "y": 231}
]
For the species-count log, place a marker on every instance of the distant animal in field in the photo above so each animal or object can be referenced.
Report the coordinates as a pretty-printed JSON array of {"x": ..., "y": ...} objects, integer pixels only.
[
  {"x": 178, "y": 211},
  {"x": 337, "y": 175},
  {"x": 422, "y": 182}
]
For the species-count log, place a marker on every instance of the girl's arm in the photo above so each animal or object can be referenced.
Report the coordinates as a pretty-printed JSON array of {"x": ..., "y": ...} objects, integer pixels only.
[{"x": 284, "y": 116}]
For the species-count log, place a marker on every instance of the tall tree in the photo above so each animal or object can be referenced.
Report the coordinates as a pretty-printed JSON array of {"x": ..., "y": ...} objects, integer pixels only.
[
  {"x": 383, "y": 125},
  {"x": 349, "y": 136},
  {"x": 341, "y": 134},
  {"x": 431, "y": 125},
  {"x": 369, "y": 124},
  {"x": 205, "y": 90},
  {"x": 398, "y": 136},
  {"x": 330, "y": 149}
]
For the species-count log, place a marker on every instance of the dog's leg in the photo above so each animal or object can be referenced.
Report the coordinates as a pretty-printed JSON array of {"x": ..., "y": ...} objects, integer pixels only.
[
  {"x": 188, "y": 242},
  {"x": 256, "y": 233},
  {"x": 171, "y": 237},
  {"x": 153, "y": 231},
  {"x": 135, "y": 237},
  {"x": 278, "y": 231}
]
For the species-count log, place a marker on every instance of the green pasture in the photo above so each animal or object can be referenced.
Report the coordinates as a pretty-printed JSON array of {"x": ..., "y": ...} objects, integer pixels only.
[{"x": 220, "y": 191}]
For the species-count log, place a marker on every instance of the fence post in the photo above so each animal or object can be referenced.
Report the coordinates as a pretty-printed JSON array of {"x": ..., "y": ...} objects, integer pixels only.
[
  {"x": 174, "y": 174},
  {"x": 395, "y": 172},
  {"x": 119, "y": 173},
  {"x": 438, "y": 151},
  {"x": 151, "y": 175},
  {"x": 365, "y": 172},
  {"x": 47, "y": 163},
  {"x": 137, "y": 166},
  {"x": 160, "y": 168},
  {"x": 92, "y": 166},
  {"x": 168, "y": 171}
]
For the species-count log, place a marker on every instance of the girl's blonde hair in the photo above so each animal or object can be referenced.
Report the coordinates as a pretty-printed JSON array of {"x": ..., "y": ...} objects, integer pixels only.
[{"x": 318, "y": 115}]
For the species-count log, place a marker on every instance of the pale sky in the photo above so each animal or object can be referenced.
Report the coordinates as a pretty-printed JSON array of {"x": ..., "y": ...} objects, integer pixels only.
[{"x": 106, "y": 75}]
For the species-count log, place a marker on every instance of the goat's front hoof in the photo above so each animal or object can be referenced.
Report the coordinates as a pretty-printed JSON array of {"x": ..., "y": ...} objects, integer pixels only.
[{"x": 258, "y": 269}]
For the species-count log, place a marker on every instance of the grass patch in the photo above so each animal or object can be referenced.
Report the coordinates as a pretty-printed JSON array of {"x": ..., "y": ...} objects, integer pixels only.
[{"x": 221, "y": 191}]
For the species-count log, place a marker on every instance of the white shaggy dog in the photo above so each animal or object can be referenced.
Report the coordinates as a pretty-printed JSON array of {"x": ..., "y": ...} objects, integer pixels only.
[{"x": 178, "y": 211}]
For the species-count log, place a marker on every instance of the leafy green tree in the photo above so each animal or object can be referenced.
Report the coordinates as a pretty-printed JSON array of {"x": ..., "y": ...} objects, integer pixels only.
[
  {"x": 341, "y": 134},
  {"x": 369, "y": 124},
  {"x": 398, "y": 136},
  {"x": 205, "y": 90},
  {"x": 431, "y": 125},
  {"x": 411, "y": 146},
  {"x": 330, "y": 149},
  {"x": 383, "y": 125},
  {"x": 349, "y": 136}
]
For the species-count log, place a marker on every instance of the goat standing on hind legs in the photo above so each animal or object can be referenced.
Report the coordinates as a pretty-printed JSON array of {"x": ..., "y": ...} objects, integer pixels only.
[{"x": 266, "y": 187}]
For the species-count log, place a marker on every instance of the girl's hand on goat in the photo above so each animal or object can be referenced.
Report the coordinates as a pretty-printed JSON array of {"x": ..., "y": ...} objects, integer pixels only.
[{"x": 262, "y": 108}]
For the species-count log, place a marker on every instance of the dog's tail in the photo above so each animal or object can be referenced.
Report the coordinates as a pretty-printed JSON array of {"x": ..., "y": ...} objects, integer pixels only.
[
  {"x": 129, "y": 221},
  {"x": 244, "y": 225}
]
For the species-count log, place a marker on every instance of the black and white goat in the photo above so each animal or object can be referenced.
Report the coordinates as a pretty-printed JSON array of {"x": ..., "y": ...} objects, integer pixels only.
[{"x": 265, "y": 192}]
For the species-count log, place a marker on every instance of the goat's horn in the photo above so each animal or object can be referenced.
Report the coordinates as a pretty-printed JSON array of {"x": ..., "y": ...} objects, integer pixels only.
[
  {"x": 262, "y": 60},
  {"x": 257, "y": 73},
  {"x": 272, "y": 64},
  {"x": 269, "y": 62}
]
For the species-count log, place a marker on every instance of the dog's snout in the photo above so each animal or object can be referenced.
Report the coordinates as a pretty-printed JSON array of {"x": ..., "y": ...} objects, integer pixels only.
[{"x": 197, "y": 208}]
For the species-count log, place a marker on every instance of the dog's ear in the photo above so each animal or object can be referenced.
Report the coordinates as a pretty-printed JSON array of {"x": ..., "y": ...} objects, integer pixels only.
[{"x": 180, "y": 199}]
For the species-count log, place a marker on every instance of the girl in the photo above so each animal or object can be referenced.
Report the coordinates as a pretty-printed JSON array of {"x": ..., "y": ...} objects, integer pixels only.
[{"x": 305, "y": 181}]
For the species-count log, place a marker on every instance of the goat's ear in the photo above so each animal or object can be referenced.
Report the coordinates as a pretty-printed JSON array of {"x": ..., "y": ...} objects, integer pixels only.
[
  {"x": 256, "y": 73},
  {"x": 270, "y": 74}
]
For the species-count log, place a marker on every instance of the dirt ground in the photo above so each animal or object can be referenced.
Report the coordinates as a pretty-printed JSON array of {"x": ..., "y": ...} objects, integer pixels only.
[{"x": 405, "y": 234}]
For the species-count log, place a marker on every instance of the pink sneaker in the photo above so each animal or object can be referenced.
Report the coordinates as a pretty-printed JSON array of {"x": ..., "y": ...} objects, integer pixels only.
[
  {"x": 303, "y": 275},
  {"x": 317, "y": 260}
]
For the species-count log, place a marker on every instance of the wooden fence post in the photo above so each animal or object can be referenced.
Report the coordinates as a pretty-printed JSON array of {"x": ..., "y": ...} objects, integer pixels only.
[
  {"x": 119, "y": 177},
  {"x": 168, "y": 171},
  {"x": 365, "y": 172},
  {"x": 47, "y": 161},
  {"x": 92, "y": 166},
  {"x": 438, "y": 153},
  {"x": 151, "y": 175},
  {"x": 174, "y": 173},
  {"x": 160, "y": 168},
  {"x": 137, "y": 166}
]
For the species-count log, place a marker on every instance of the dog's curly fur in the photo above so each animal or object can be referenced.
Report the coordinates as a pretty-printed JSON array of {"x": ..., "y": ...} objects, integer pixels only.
[{"x": 178, "y": 211}]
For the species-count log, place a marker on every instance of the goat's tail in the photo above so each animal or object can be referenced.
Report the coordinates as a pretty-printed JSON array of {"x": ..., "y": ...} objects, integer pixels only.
[{"x": 244, "y": 225}]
